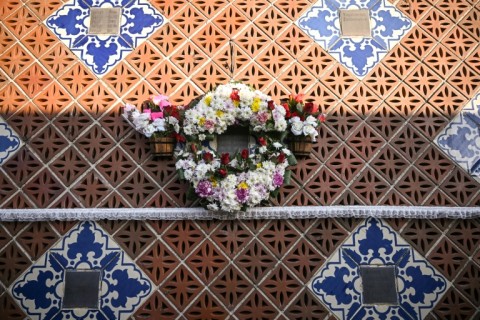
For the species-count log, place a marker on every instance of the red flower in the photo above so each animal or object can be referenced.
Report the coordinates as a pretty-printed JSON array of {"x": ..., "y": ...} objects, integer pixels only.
[
  {"x": 222, "y": 172},
  {"x": 180, "y": 138},
  {"x": 322, "y": 117},
  {"x": 287, "y": 110},
  {"x": 245, "y": 154},
  {"x": 234, "y": 95},
  {"x": 281, "y": 157},
  {"x": 225, "y": 158},
  {"x": 208, "y": 157},
  {"x": 271, "y": 105},
  {"x": 193, "y": 146},
  {"x": 299, "y": 97},
  {"x": 310, "y": 108},
  {"x": 262, "y": 141}
]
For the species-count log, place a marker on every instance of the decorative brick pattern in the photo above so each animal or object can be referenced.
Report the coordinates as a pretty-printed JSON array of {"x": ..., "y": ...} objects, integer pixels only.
[{"x": 376, "y": 148}]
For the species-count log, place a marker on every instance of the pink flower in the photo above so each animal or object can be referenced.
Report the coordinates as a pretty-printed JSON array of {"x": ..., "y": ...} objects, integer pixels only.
[
  {"x": 159, "y": 99},
  {"x": 156, "y": 115},
  {"x": 262, "y": 117},
  {"x": 209, "y": 124},
  {"x": 322, "y": 117}
]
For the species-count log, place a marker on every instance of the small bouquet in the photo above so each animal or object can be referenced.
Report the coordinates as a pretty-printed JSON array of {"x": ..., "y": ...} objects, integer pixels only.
[
  {"x": 157, "y": 118},
  {"x": 303, "y": 117}
]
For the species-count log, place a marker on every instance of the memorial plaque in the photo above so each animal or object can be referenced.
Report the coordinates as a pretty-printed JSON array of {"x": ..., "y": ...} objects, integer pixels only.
[
  {"x": 233, "y": 140},
  {"x": 82, "y": 289},
  {"x": 355, "y": 23},
  {"x": 379, "y": 285},
  {"x": 105, "y": 21}
]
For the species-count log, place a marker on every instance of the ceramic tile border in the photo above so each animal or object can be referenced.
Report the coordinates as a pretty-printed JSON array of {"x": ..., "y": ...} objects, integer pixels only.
[{"x": 255, "y": 213}]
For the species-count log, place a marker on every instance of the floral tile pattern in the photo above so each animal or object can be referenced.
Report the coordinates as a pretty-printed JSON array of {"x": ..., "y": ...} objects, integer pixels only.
[
  {"x": 461, "y": 138},
  {"x": 338, "y": 284},
  {"x": 87, "y": 247},
  {"x": 10, "y": 142},
  {"x": 388, "y": 25},
  {"x": 101, "y": 53}
]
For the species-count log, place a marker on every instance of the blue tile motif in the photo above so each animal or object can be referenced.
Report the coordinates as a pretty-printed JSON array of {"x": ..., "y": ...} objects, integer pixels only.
[
  {"x": 359, "y": 54},
  {"x": 10, "y": 142},
  {"x": 460, "y": 139},
  {"x": 123, "y": 285},
  {"x": 338, "y": 283},
  {"x": 102, "y": 52}
]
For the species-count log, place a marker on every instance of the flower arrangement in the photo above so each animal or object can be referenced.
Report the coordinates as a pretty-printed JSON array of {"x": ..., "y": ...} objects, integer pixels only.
[
  {"x": 232, "y": 182},
  {"x": 303, "y": 117},
  {"x": 157, "y": 118},
  {"x": 247, "y": 178},
  {"x": 230, "y": 104}
]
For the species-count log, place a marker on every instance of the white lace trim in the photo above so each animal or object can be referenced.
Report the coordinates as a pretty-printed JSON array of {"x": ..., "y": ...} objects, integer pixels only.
[{"x": 254, "y": 213}]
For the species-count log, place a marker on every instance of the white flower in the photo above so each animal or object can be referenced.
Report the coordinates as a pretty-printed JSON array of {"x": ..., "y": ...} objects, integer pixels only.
[
  {"x": 202, "y": 137},
  {"x": 309, "y": 130},
  {"x": 277, "y": 145},
  {"x": 312, "y": 121},
  {"x": 297, "y": 126},
  {"x": 148, "y": 131},
  {"x": 262, "y": 149},
  {"x": 212, "y": 206},
  {"x": 159, "y": 124}
]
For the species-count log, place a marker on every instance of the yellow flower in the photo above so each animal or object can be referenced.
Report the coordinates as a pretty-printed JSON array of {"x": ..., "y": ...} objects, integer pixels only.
[
  {"x": 201, "y": 121},
  {"x": 256, "y": 105},
  {"x": 208, "y": 99},
  {"x": 214, "y": 182},
  {"x": 259, "y": 165},
  {"x": 243, "y": 185},
  {"x": 219, "y": 113},
  {"x": 236, "y": 103}
]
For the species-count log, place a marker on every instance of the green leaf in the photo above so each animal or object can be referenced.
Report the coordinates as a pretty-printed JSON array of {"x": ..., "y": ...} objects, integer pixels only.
[
  {"x": 287, "y": 177},
  {"x": 181, "y": 174},
  {"x": 191, "y": 194},
  {"x": 292, "y": 160},
  {"x": 275, "y": 193}
]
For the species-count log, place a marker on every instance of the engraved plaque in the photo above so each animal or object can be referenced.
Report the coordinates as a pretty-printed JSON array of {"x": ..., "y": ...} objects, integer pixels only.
[
  {"x": 233, "y": 140},
  {"x": 378, "y": 284},
  {"x": 355, "y": 23},
  {"x": 105, "y": 21}
]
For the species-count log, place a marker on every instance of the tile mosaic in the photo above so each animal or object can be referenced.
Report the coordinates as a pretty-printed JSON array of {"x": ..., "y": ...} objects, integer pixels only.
[
  {"x": 338, "y": 284},
  {"x": 359, "y": 54},
  {"x": 459, "y": 138},
  {"x": 10, "y": 141},
  {"x": 43, "y": 188},
  {"x": 39, "y": 40},
  {"x": 256, "y": 306},
  {"x": 455, "y": 306},
  {"x": 100, "y": 53},
  {"x": 21, "y": 21},
  {"x": 15, "y": 60},
  {"x": 123, "y": 286},
  {"x": 156, "y": 307},
  {"x": 37, "y": 238},
  {"x": 12, "y": 262},
  {"x": 343, "y": 120}
]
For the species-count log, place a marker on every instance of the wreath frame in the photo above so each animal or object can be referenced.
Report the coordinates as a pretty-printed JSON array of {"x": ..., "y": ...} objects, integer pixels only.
[{"x": 248, "y": 178}]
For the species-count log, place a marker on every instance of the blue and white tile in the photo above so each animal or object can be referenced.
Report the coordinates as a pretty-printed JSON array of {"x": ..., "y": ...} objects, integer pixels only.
[
  {"x": 358, "y": 54},
  {"x": 139, "y": 20},
  {"x": 322, "y": 23},
  {"x": 460, "y": 139},
  {"x": 10, "y": 141},
  {"x": 123, "y": 287},
  {"x": 338, "y": 283},
  {"x": 389, "y": 24}
]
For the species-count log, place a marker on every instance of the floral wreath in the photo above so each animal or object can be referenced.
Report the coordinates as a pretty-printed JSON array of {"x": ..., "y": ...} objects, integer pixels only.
[{"x": 249, "y": 177}]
